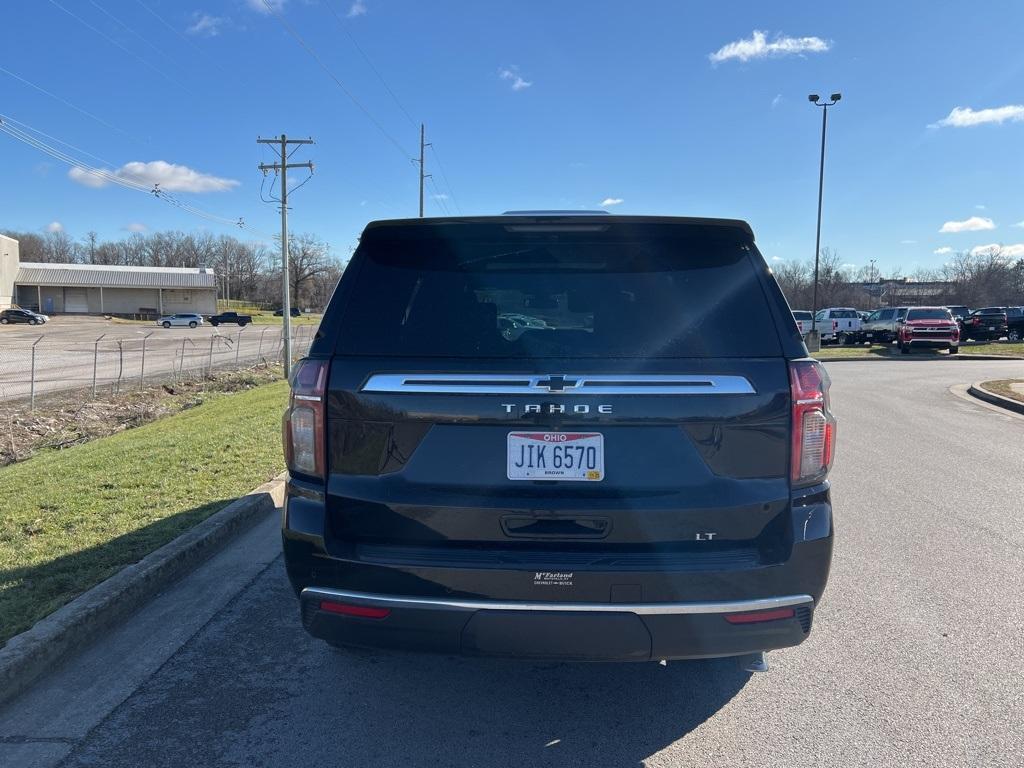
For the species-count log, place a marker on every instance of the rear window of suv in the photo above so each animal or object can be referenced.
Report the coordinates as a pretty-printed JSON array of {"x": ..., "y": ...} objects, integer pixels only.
[{"x": 557, "y": 294}]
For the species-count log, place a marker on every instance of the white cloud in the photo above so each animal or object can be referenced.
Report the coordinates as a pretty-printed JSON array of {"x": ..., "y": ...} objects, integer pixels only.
[
  {"x": 963, "y": 117},
  {"x": 358, "y": 8},
  {"x": 848, "y": 266},
  {"x": 908, "y": 242},
  {"x": 973, "y": 224},
  {"x": 205, "y": 24},
  {"x": 512, "y": 73},
  {"x": 136, "y": 226},
  {"x": 1019, "y": 224},
  {"x": 261, "y": 7},
  {"x": 776, "y": 258},
  {"x": 942, "y": 251},
  {"x": 611, "y": 201},
  {"x": 776, "y": 100},
  {"x": 1014, "y": 251},
  {"x": 440, "y": 196},
  {"x": 170, "y": 177},
  {"x": 758, "y": 47},
  {"x": 979, "y": 207},
  {"x": 54, "y": 226}
]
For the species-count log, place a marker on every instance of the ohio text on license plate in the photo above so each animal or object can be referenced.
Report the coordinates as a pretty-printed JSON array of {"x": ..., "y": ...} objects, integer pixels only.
[{"x": 556, "y": 456}]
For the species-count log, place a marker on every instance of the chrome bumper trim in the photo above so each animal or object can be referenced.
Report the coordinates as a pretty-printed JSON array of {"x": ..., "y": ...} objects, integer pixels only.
[{"x": 642, "y": 609}]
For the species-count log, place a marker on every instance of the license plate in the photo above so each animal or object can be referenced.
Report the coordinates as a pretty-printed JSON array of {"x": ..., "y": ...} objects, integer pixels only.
[
  {"x": 556, "y": 456},
  {"x": 991, "y": 327}
]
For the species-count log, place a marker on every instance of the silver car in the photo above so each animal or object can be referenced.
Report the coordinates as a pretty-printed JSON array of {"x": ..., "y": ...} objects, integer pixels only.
[{"x": 189, "y": 319}]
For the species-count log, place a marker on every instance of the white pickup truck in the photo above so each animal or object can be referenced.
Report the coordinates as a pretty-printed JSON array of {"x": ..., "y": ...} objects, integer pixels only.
[{"x": 839, "y": 325}]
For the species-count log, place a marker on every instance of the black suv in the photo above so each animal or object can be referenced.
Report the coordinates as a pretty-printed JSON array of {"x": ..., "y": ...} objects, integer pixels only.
[
  {"x": 554, "y": 436},
  {"x": 987, "y": 323}
]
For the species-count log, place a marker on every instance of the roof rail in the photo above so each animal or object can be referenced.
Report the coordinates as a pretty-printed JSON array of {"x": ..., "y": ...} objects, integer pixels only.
[{"x": 556, "y": 213}]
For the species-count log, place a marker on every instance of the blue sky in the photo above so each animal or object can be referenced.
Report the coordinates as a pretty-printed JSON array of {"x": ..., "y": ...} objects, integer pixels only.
[{"x": 530, "y": 105}]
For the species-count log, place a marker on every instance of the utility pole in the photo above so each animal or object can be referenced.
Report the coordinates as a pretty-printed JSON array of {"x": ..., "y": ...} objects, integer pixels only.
[
  {"x": 286, "y": 305},
  {"x": 423, "y": 176},
  {"x": 873, "y": 275}
]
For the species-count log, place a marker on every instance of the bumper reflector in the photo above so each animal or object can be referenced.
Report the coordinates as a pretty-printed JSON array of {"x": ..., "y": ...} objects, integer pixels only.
[
  {"x": 361, "y": 611},
  {"x": 758, "y": 616}
]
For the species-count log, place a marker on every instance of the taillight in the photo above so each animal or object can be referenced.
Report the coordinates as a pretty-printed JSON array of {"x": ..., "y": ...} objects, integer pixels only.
[
  {"x": 303, "y": 426},
  {"x": 814, "y": 427}
]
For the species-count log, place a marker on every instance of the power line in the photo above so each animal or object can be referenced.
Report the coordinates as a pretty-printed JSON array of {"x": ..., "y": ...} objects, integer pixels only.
[
  {"x": 444, "y": 176},
  {"x": 344, "y": 28},
  {"x": 67, "y": 103},
  {"x": 441, "y": 199},
  {"x": 114, "y": 42},
  {"x": 298, "y": 38},
  {"x": 26, "y": 126},
  {"x": 130, "y": 31},
  {"x": 184, "y": 38},
  {"x": 108, "y": 177}
]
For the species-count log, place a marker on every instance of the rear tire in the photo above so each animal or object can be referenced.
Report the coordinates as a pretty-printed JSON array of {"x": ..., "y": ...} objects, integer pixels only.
[
  {"x": 4, "y": 320},
  {"x": 192, "y": 324},
  {"x": 166, "y": 324},
  {"x": 954, "y": 350},
  {"x": 1013, "y": 336}
]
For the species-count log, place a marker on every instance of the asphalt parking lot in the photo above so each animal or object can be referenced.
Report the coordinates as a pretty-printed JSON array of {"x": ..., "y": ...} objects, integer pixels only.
[
  {"x": 914, "y": 658},
  {"x": 70, "y": 350}
]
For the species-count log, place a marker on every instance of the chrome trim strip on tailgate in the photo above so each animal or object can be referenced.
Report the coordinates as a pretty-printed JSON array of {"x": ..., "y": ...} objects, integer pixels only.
[
  {"x": 642, "y": 609},
  {"x": 583, "y": 384}
]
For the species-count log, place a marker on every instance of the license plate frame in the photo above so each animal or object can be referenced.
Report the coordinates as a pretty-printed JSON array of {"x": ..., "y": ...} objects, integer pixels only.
[{"x": 533, "y": 455}]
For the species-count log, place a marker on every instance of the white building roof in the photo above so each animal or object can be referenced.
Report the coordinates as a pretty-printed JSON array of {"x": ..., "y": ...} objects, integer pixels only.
[{"x": 113, "y": 276}]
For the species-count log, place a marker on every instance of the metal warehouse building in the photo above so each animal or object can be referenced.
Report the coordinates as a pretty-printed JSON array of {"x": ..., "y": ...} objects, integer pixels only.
[{"x": 103, "y": 289}]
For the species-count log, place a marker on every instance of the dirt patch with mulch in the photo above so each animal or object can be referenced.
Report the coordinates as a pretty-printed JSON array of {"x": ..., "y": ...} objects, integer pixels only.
[
  {"x": 71, "y": 418},
  {"x": 1011, "y": 388}
]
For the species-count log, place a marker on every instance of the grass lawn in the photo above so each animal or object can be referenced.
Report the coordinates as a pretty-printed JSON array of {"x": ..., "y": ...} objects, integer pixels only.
[
  {"x": 864, "y": 352},
  {"x": 71, "y": 518},
  {"x": 269, "y": 318},
  {"x": 1003, "y": 387}
]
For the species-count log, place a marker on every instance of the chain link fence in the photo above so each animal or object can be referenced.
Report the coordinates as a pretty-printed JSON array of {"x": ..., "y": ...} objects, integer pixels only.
[{"x": 46, "y": 364}]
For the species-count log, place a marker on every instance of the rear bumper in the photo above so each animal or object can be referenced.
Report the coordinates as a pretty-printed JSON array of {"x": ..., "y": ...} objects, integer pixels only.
[{"x": 567, "y": 631}]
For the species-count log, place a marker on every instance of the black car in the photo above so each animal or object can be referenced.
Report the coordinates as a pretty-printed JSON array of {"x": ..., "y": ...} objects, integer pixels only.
[
  {"x": 22, "y": 316},
  {"x": 292, "y": 311},
  {"x": 985, "y": 324},
  {"x": 230, "y": 317},
  {"x": 639, "y": 475}
]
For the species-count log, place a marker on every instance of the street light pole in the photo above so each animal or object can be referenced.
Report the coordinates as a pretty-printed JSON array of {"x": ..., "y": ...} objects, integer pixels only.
[
  {"x": 873, "y": 276},
  {"x": 816, "y": 100}
]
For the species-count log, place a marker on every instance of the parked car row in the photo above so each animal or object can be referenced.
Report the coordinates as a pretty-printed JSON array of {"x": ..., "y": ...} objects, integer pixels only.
[
  {"x": 194, "y": 320},
  {"x": 914, "y": 326}
]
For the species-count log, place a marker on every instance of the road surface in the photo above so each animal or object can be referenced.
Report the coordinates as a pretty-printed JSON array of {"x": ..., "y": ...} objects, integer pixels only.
[
  {"x": 914, "y": 658},
  {"x": 70, "y": 350}
]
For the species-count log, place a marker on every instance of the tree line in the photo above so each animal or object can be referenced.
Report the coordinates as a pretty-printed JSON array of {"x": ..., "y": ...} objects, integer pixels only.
[
  {"x": 246, "y": 271},
  {"x": 988, "y": 278}
]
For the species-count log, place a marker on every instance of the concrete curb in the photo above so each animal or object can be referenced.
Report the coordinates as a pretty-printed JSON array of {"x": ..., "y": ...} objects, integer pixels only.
[
  {"x": 28, "y": 655},
  {"x": 991, "y": 397}
]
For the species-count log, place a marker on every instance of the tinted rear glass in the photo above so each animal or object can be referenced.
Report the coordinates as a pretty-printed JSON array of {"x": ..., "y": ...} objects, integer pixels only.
[
  {"x": 802, "y": 315},
  {"x": 929, "y": 314},
  {"x": 578, "y": 294}
]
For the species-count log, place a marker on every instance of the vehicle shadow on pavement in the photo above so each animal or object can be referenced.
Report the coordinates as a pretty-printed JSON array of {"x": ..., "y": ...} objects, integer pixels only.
[{"x": 252, "y": 688}]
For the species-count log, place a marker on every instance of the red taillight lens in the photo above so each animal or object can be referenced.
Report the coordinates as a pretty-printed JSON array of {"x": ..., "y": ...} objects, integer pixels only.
[
  {"x": 362, "y": 611},
  {"x": 755, "y": 617},
  {"x": 813, "y": 426},
  {"x": 303, "y": 425}
]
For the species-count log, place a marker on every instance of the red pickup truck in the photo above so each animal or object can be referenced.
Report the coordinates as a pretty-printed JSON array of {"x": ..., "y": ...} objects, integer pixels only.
[{"x": 929, "y": 328}]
